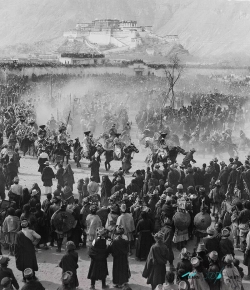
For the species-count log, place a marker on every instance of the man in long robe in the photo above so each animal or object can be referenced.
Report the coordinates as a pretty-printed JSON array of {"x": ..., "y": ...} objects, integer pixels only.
[
  {"x": 155, "y": 267},
  {"x": 119, "y": 250},
  {"x": 25, "y": 251}
]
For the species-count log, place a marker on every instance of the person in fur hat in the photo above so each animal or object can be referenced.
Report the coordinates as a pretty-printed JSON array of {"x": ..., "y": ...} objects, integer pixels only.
[{"x": 98, "y": 269}]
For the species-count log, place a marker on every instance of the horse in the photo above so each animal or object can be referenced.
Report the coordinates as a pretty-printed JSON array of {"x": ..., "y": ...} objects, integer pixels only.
[
  {"x": 109, "y": 150},
  {"x": 126, "y": 161},
  {"x": 168, "y": 153}
]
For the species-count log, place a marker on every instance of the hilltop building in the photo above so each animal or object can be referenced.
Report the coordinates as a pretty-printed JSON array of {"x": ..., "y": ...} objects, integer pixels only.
[{"x": 109, "y": 32}]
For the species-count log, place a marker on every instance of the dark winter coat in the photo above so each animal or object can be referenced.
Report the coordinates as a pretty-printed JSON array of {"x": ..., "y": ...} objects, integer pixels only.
[
  {"x": 7, "y": 272},
  {"x": 145, "y": 240},
  {"x": 33, "y": 285},
  {"x": 69, "y": 262},
  {"x": 155, "y": 267},
  {"x": 212, "y": 244},
  {"x": 98, "y": 269},
  {"x": 25, "y": 253},
  {"x": 119, "y": 250},
  {"x": 47, "y": 176},
  {"x": 59, "y": 176},
  {"x": 94, "y": 166}
]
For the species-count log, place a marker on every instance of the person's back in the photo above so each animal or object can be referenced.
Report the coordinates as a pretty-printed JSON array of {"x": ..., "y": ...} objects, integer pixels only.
[{"x": 32, "y": 285}]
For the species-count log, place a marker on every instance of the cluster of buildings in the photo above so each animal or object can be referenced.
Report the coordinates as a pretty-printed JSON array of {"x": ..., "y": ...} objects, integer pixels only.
[{"x": 109, "y": 32}]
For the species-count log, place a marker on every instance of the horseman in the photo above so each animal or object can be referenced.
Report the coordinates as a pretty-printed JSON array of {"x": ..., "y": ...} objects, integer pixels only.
[
  {"x": 32, "y": 132},
  {"x": 113, "y": 131},
  {"x": 87, "y": 143},
  {"x": 62, "y": 137},
  {"x": 77, "y": 152},
  {"x": 162, "y": 141},
  {"x": 21, "y": 129},
  {"x": 42, "y": 132},
  {"x": 127, "y": 128}
]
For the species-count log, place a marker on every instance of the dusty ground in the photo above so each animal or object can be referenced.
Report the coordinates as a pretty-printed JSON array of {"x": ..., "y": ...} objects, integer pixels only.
[{"x": 49, "y": 274}]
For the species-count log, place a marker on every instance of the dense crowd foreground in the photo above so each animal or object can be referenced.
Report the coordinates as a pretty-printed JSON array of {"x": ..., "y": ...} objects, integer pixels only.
[
  {"x": 82, "y": 270},
  {"x": 159, "y": 211}
]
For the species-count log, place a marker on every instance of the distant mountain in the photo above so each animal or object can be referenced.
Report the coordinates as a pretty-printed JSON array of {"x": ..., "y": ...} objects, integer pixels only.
[{"x": 206, "y": 28}]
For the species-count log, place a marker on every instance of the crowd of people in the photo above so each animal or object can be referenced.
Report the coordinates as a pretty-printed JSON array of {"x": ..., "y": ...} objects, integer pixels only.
[
  {"x": 156, "y": 212},
  {"x": 161, "y": 209}
]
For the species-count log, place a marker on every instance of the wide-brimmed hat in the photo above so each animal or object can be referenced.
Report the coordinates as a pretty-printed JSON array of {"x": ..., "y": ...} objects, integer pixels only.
[
  {"x": 34, "y": 192},
  {"x": 201, "y": 248},
  {"x": 28, "y": 273},
  {"x": 87, "y": 133},
  {"x": 195, "y": 262},
  {"x": 119, "y": 230},
  {"x": 184, "y": 254},
  {"x": 24, "y": 223},
  {"x": 3, "y": 259},
  {"x": 66, "y": 277},
  {"x": 210, "y": 231},
  {"x": 70, "y": 245},
  {"x": 42, "y": 127},
  {"x": 225, "y": 232},
  {"x": 100, "y": 231},
  {"x": 47, "y": 163},
  {"x": 117, "y": 134},
  {"x": 213, "y": 255}
]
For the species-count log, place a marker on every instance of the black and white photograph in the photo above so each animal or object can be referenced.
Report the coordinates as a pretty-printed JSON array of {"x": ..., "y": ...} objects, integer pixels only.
[{"x": 125, "y": 144}]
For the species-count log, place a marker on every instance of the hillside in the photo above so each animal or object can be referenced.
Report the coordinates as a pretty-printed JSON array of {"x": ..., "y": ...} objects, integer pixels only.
[{"x": 206, "y": 28}]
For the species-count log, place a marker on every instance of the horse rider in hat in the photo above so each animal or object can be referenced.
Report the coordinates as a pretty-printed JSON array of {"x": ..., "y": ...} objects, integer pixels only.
[
  {"x": 189, "y": 157},
  {"x": 87, "y": 143},
  {"x": 62, "y": 137},
  {"x": 113, "y": 131},
  {"x": 162, "y": 140},
  {"x": 42, "y": 132},
  {"x": 31, "y": 130},
  {"x": 21, "y": 128}
]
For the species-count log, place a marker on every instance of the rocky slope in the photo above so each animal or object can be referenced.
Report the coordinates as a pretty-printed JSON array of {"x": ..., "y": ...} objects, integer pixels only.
[{"x": 206, "y": 28}]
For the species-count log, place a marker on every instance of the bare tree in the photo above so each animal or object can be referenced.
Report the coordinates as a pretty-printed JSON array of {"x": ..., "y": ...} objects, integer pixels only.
[{"x": 173, "y": 73}]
